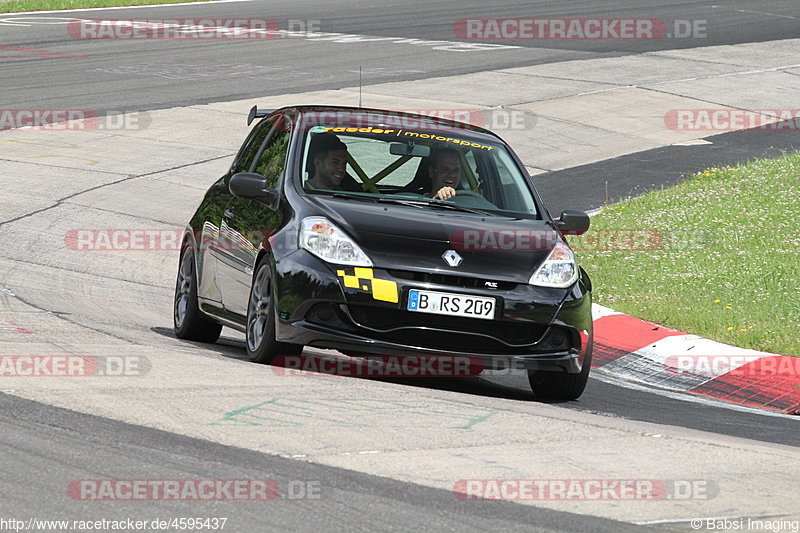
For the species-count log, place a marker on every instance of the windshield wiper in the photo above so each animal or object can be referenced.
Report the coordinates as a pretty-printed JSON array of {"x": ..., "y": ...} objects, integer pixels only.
[
  {"x": 456, "y": 207},
  {"x": 352, "y": 196},
  {"x": 379, "y": 199},
  {"x": 435, "y": 203},
  {"x": 412, "y": 203}
]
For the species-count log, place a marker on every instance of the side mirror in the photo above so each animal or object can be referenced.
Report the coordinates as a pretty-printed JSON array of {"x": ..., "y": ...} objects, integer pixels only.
[
  {"x": 573, "y": 222},
  {"x": 253, "y": 187}
]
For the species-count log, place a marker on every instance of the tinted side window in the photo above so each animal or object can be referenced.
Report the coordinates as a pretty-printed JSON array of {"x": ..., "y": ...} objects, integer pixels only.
[
  {"x": 251, "y": 146},
  {"x": 272, "y": 160}
]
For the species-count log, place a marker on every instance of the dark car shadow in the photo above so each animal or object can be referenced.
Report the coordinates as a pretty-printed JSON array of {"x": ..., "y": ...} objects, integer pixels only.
[
  {"x": 225, "y": 346},
  {"x": 473, "y": 385},
  {"x": 476, "y": 386}
]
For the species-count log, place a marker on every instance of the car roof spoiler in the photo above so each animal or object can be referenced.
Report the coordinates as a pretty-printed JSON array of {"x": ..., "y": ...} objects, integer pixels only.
[{"x": 257, "y": 113}]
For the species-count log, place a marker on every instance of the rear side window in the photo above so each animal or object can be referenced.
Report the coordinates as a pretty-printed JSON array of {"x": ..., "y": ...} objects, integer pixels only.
[
  {"x": 251, "y": 146},
  {"x": 272, "y": 160}
]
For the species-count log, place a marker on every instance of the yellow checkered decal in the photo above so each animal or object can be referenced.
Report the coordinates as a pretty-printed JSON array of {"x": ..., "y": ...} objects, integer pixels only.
[{"x": 364, "y": 279}]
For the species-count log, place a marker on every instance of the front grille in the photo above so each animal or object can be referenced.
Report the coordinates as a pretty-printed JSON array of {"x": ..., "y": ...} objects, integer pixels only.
[
  {"x": 471, "y": 335},
  {"x": 454, "y": 281}
]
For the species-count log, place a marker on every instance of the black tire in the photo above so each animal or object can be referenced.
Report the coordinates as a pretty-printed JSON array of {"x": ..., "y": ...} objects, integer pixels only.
[
  {"x": 560, "y": 385},
  {"x": 189, "y": 322},
  {"x": 260, "y": 329}
]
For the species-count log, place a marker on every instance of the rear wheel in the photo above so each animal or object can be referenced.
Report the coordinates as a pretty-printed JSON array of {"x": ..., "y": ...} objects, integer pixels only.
[
  {"x": 560, "y": 385},
  {"x": 261, "y": 344},
  {"x": 189, "y": 322}
]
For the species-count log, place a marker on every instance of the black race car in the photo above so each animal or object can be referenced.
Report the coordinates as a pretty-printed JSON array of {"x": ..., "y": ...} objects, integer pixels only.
[{"x": 384, "y": 233}]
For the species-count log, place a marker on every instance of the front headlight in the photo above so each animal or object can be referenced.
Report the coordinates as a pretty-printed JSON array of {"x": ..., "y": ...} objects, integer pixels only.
[
  {"x": 559, "y": 270},
  {"x": 323, "y": 239}
]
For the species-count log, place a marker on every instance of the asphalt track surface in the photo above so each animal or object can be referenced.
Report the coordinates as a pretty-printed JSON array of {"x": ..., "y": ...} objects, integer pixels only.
[
  {"x": 640, "y": 172},
  {"x": 45, "y": 446},
  {"x": 606, "y": 397},
  {"x": 136, "y": 75},
  {"x": 48, "y": 452}
]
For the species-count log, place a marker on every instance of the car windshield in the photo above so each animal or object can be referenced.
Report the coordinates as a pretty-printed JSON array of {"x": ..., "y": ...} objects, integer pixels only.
[{"x": 409, "y": 166}]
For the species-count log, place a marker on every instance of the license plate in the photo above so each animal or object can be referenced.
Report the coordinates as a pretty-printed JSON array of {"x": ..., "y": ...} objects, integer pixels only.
[{"x": 446, "y": 303}]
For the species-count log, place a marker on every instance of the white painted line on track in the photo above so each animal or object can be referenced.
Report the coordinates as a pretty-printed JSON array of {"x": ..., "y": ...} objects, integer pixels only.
[
  {"x": 313, "y": 36},
  {"x": 123, "y": 7},
  {"x": 767, "y": 14}
]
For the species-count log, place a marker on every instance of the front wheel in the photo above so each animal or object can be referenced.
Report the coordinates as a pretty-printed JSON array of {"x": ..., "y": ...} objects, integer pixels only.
[
  {"x": 261, "y": 344},
  {"x": 189, "y": 322},
  {"x": 560, "y": 385}
]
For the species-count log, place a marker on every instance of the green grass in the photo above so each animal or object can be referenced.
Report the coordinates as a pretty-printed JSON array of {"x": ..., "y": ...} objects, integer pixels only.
[
  {"x": 15, "y": 6},
  {"x": 727, "y": 266}
]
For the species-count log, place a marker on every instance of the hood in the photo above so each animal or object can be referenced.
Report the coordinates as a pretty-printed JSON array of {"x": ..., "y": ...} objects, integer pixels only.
[{"x": 415, "y": 238}]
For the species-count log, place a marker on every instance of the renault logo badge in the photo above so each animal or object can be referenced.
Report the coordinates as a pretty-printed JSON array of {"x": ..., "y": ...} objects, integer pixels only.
[{"x": 452, "y": 258}]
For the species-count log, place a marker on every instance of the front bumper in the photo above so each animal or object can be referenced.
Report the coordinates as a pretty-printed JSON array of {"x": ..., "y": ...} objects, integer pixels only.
[{"x": 535, "y": 328}]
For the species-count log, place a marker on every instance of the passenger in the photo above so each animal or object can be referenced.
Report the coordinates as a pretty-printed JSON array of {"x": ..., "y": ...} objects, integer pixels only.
[
  {"x": 445, "y": 173},
  {"x": 329, "y": 156}
]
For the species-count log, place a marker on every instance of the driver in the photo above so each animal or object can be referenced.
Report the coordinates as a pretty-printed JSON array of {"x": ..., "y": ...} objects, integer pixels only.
[
  {"x": 329, "y": 156},
  {"x": 445, "y": 173}
]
